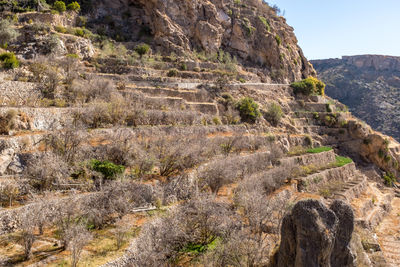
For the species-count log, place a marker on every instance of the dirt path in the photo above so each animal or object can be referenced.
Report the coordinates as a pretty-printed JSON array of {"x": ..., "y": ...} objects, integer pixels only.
[{"x": 388, "y": 233}]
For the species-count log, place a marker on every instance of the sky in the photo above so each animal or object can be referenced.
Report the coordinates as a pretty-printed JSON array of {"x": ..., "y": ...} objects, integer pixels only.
[{"x": 336, "y": 28}]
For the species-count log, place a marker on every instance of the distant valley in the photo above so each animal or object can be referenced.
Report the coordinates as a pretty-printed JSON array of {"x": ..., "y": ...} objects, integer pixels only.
[{"x": 369, "y": 85}]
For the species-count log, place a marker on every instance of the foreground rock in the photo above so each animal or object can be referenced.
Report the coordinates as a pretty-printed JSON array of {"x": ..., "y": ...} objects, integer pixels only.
[{"x": 313, "y": 235}]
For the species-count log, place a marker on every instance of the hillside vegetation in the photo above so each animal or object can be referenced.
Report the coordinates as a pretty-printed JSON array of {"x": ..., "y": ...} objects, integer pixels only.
[{"x": 182, "y": 133}]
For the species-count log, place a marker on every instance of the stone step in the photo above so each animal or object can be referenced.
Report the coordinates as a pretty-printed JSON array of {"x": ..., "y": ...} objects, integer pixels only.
[
  {"x": 312, "y": 106},
  {"x": 313, "y": 182},
  {"x": 374, "y": 216},
  {"x": 323, "y": 158},
  {"x": 188, "y": 95},
  {"x": 206, "y": 108},
  {"x": 352, "y": 189}
]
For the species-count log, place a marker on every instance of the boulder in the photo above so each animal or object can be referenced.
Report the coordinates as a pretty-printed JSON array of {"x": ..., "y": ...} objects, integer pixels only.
[{"x": 314, "y": 235}]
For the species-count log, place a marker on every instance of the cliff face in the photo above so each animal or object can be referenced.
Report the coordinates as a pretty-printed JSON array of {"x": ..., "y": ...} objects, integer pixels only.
[
  {"x": 250, "y": 31},
  {"x": 369, "y": 85}
]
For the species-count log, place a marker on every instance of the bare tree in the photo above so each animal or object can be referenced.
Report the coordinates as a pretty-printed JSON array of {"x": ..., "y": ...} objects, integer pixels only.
[
  {"x": 28, "y": 224},
  {"x": 198, "y": 222},
  {"x": 10, "y": 190},
  {"x": 46, "y": 171},
  {"x": 65, "y": 143},
  {"x": 78, "y": 236},
  {"x": 120, "y": 232}
]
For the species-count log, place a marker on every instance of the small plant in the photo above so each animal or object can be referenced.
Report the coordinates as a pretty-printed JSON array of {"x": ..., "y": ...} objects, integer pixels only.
[
  {"x": 79, "y": 32},
  {"x": 74, "y": 6},
  {"x": 278, "y": 40},
  {"x": 59, "y": 6},
  {"x": 274, "y": 114},
  {"x": 60, "y": 29},
  {"x": 7, "y": 33},
  {"x": 249, "y": 28},
  {"x": 248, "y": 110},
  {"x": 389, "y": 179},
  {"x": 309, "y": 86},
  {"x": 142, "y": 49},
  {"x": 183, "y": 66},
  {"x": 9, "y": 60},
  {"x": 217, "y": 121},
  {"x": 172, "y": 73},
  {"x": 241, "y": 80},
  {"x": 107, "y": 168},
  {"x": 308, "y": 141},
  {"x": 265, "y": 22}
]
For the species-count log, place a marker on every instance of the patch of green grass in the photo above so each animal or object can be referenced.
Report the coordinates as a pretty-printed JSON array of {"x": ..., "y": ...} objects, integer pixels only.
[
  {"x": 200, "y": 248},
  {"x": 341, "y": 161},
  {"x": 319, "y": 149}
]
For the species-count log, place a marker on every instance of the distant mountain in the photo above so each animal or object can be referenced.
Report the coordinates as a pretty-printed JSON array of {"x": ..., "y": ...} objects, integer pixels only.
[{"x": 369, "y": 85}]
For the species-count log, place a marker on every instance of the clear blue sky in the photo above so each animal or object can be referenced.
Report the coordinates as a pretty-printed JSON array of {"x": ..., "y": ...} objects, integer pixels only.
[{"x": 335, "y": 28}]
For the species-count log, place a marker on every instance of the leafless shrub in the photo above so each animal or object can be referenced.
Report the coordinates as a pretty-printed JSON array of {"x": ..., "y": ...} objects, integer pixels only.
[
  {"x": 215, "y": 176},
  {"x": 66, "y": 142},
  {"x": 239, "y": 249},
  {"x": 93, "y": 88},
  {"x": 28, "y": 224},
  {"x": 78, "y": 236},
  {"x": 120, "y": 233},
  {"x": 9, "y": 190},
  {"x": 7, "y": 122},
  {"x": 117, "y": 198},
  {"x": 70, "y": 65},
  {"x": 197, "y": 222},
  {"x": 46, "y": 171},
  {"x": 180, "y": 187}
]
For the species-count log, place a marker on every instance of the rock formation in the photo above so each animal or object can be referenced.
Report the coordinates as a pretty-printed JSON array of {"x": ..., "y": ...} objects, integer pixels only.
[
  {"x": 252, "y": 31},
  {"x": 313, "y": 235}
]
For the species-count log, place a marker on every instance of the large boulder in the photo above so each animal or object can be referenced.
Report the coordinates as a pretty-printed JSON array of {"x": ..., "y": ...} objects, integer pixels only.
[{"x": 314, "y": 235}]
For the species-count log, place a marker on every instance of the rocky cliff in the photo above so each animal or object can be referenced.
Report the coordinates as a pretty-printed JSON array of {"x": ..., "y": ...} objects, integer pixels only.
[
  {"x": 369, "y": 85},
  {"x": 251, "y": 31}
]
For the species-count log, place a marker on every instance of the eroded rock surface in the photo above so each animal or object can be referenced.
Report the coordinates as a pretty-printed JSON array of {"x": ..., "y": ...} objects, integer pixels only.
[
  {"x": 314, "y": 235},
  {"x": 253, "y": 32}
]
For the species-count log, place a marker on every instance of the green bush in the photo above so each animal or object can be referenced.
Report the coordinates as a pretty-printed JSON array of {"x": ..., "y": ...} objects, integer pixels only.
[
  {"x": 274, "y": 114},
  {"x": 74, "y": 6},
  {"x": 309, "y": 86},
  {"x": 248, "y": 110},
  {"x": 7, "y": 32},
  {"x": 265, "y": 22},
  {"x": 60, "y": 29},
  {"x": 59, "y": 6},
  {"x": 79, "y": 32},
  {"x": 9, "y": 60},
  {"x": 172, "y": 73},
  {"x": 107, "y": 168},
  {"x": 142, "y": 49},
  {"x": 278, "y": 39},
  {"x": 389, "y": 179}
]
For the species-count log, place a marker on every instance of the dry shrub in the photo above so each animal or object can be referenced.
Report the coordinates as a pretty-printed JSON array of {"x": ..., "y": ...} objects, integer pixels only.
[
  {"x": 46, "y": 171},
  {"x": 196, "y": 223}
]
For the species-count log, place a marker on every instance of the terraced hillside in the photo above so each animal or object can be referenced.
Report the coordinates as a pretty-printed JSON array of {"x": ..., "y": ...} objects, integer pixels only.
[{"x": 111, "y": 158}]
